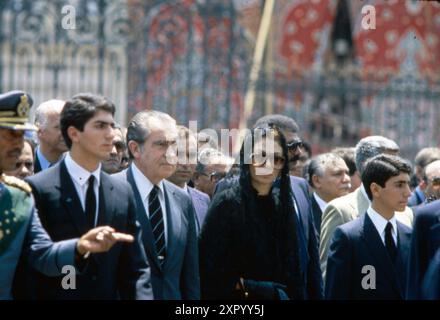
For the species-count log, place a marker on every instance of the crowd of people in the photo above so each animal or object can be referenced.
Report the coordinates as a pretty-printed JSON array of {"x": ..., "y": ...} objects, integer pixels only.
[{"x": 156, "y": 211}]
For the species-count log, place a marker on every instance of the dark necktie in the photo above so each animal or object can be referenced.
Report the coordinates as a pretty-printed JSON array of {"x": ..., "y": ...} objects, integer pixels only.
[
  {"x": 91, "y": 203},
  {"x": 389, "y": 242},
  {"x": 157, "y": 224}
]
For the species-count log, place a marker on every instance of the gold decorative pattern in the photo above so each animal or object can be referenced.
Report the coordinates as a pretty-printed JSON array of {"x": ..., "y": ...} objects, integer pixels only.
[
  {"x": 15, "y": 182},
  {"x": 23, "y": 107}
]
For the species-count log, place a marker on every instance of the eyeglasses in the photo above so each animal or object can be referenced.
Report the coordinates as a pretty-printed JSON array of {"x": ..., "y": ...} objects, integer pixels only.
[
  {"x": 434, "y": 181},
  {"x": 260, "y": 159},
  {"x": 294, "y": 145},
  {"x": 28, "y": 164},
  {"x": 215, "y": 176}
]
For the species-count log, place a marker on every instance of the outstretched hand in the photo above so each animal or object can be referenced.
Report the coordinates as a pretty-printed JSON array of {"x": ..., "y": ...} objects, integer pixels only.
[{"x": 101, "y": 239}]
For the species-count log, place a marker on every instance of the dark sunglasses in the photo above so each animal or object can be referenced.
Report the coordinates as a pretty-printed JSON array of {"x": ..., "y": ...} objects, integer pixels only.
[
  {"x": 259, "y": 160},
  {"x": 294, "y": 145}
]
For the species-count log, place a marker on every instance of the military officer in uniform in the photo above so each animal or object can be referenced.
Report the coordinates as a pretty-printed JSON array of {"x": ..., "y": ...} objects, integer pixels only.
[{"x": 20, "y": 228}]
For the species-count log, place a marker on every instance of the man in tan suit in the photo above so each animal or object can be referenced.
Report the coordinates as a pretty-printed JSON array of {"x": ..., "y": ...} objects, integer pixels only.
[{"x": 349, "y": 207}]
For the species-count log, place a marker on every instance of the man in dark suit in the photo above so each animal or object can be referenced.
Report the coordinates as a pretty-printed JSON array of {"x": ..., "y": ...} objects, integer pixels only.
[
  {"x": 75, "y": 196},
  {"x": 164, "y": 210},
  {"x": 368, "y": 256},
  {"x": 328, "y": 176},
  {"x": 431, "y": 283},
  {"x": 424, "y": 244},
  {"x": 187, "y": 161},
  {"x": 51, "y": 146},
  {"x": 21, "y": 233}
]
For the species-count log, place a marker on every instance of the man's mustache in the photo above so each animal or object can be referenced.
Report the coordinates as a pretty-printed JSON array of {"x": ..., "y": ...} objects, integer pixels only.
[{"x": 294, "y": 158}]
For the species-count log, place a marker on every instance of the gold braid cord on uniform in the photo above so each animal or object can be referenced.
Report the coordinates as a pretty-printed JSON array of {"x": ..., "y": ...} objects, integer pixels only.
[{"x": 15, "y": 182}]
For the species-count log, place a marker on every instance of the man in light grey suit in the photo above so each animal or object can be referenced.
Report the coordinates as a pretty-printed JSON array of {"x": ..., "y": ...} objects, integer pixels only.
[
  {"x": 349, "y": 207},
  {"x": 164, "y": 210},
  {"x": 186, "y": 166}
]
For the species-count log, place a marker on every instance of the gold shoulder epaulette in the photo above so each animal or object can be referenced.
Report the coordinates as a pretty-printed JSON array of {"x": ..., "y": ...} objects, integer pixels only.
[{"x": 15, "y": 182}]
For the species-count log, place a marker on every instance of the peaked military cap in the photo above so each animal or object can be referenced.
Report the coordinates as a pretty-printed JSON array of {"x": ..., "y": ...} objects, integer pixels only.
[{"x": 14, "y": 110}]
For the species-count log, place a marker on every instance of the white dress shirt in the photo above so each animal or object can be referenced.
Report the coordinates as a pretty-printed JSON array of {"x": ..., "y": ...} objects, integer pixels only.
[
  {"x": 80, "y": 178},
  {"x": 144, "y": 187},
  {"x": 380, "y": 223},
  {"x": 321, "y": 203}
]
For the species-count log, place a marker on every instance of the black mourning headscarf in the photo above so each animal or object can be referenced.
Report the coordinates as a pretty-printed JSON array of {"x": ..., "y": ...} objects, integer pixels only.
[{"x": 282, "y": 195}]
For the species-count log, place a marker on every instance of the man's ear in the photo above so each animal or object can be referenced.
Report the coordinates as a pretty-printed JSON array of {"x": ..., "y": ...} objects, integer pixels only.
[
  {"x": 423, "y": 185},
  {"x": 195, "y": 178},
  {"x": 375, "y": 190},
  {"x": 133, "y": 146},
  {"x": 39, "y": 131},
  {"x": 316, "y": 181},
  {"x": 73, "y": 133}
]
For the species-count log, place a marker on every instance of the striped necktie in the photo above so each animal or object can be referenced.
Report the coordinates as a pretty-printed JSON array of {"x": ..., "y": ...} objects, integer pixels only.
[{"x": 157, "y": 223}]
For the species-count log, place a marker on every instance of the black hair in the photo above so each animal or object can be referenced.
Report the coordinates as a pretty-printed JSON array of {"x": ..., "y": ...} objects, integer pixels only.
[
  {"x": 381, "y": 168},
  {"x": 80, "y": 109},
  {"x": 280, "y": 121}
]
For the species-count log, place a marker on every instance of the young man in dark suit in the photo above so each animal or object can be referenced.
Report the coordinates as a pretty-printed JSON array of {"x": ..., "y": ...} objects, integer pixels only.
[
  {"x": 75, "y": 195},
  {"x": 368, "y": 256},
  {"x": 21, "y": 233},
  {"x": 164, "y": 210}
]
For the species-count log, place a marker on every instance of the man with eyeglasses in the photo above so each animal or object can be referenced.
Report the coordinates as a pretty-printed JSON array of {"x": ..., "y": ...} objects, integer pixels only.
[
  {"x": 212, "y": 166},
  {"x": 164, "y": 210}
]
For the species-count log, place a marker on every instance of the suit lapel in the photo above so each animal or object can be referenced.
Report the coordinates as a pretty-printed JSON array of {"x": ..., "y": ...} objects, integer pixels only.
[
  {"x": 147, "y": 233},
  {"x": 174, "y": 221},
  {"x": 70, "y": 200},
  {"x": 317, "y": 213},
  {"x": 198, "y": 208},
  {"x": 37, "y": 165},
  {"x": 379, "y": 253},
  {"x": 106, "y": 201},
  {"x": 403, "y": 245},
  {"x": 434, "y": 235},
  {"x": 303, "y": 214}
]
